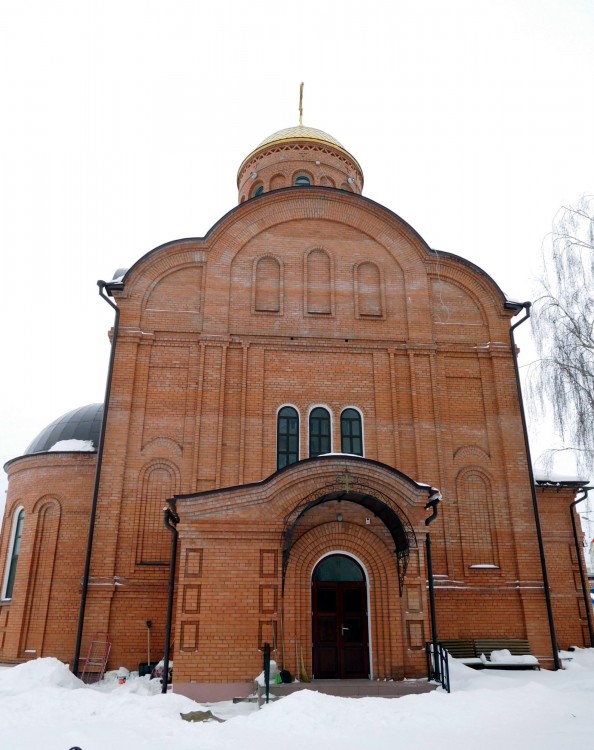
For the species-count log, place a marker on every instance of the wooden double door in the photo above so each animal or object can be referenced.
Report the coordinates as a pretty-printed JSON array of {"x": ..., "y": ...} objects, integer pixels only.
[{"x": 340, "y": 637}]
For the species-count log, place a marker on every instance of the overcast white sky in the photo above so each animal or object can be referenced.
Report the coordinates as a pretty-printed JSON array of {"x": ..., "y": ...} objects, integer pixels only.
[{"x": 123, "y": 125}]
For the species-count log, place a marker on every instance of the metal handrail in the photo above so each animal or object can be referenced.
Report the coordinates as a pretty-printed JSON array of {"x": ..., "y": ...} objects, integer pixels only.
[{"x": 439, "y": 672}]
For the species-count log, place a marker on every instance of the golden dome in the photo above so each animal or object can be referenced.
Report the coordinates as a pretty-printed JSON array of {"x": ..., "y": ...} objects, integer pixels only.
[{"x": 301, "y": 132}]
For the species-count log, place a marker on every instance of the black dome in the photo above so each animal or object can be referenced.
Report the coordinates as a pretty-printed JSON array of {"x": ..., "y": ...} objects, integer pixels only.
[{"x": 83, "y": 423}]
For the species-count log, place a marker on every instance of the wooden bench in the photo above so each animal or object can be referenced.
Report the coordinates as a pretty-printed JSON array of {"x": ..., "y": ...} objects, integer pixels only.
[
  {"x": 476, "y": 653},
  {"x": 460, "y": 649}
]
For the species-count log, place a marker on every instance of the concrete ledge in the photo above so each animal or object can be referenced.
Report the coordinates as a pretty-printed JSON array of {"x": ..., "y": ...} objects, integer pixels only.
[
  {"x": 212, "y": 692},
  {"x": 354, "y": 688}
]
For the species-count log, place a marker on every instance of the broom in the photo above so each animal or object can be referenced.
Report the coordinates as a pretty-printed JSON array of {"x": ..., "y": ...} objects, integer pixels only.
[{"x": 303, "y": 676}]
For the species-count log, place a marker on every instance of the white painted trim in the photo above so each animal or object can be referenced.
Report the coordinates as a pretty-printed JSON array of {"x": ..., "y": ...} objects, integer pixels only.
[{"x": 344, "y": 553}]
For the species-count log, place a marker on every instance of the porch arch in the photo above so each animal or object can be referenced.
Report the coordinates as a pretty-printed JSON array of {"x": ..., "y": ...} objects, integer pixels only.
[{"x": 378, "y": 503}]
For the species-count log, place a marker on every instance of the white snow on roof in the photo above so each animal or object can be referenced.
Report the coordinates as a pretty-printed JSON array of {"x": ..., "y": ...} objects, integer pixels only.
[
  {"x": 555, "y": 477},
  {"x": 350, "y": 455},
  {"x": 72, "y": 445}
]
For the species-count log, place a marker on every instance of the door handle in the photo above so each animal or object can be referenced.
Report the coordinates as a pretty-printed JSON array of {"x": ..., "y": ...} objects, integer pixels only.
[{"x": 343, "y": 628}]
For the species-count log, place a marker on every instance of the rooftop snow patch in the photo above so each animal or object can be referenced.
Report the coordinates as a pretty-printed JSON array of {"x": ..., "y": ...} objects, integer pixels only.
[
  {"x": 81, "y": 446},
  {"x": 554, "y": 477}
]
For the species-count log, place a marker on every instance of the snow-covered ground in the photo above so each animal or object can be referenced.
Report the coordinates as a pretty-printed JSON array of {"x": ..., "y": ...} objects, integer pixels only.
[{"x": 44, "y": 707}]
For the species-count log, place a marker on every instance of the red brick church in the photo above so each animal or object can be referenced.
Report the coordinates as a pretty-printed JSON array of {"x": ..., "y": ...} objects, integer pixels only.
[{"x": 298, "y": 386}]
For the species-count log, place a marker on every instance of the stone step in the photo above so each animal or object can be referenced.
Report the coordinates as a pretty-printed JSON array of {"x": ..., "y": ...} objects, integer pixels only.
[{"x": 353, "y": 688}]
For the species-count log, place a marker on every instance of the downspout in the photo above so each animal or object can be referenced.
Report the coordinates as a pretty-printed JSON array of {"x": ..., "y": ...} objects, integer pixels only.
[
  {"x": 578, "y": 549},
  {"x": 85, "y": 578},
  {"x": 545, "y": 578},
  {"x": 431, "y": 505},
  {"x": 171, "y": 520}
]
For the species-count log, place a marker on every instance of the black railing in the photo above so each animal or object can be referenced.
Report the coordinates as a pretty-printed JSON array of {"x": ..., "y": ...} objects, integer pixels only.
[
  {"x": 266, "y": 670},
  {"x": 438, "y": 669}
]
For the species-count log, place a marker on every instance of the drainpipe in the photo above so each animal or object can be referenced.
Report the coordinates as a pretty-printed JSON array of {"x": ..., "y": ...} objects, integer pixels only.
[
  {"x": 545, "y": 578},
  {"x": 578, "y": 549},
  {"x": 431, "y": 505},
  {"x": 171, "y": 520},
  {"x": 85, "y": 579}
]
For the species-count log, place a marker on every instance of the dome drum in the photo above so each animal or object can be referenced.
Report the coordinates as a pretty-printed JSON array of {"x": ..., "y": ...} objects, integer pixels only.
[{"x": 296, "y": 153}]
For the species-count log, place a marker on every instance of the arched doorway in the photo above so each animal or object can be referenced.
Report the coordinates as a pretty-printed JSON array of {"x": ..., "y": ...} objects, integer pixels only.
[{"x": 340, "y": 638}]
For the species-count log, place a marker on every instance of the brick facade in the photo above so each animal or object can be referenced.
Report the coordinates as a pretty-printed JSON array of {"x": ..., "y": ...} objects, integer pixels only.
[{"x": 303, "y": 297}]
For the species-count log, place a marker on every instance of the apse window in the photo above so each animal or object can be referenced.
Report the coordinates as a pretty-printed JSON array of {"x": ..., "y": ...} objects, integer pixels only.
[
  {"x": 287, "y": 437},
  {"x": 13, "y": 554},
  {"x": 302, "y": 180},
  {"x": 319, "y": 432},
  {"x": 351, "y": 432}
]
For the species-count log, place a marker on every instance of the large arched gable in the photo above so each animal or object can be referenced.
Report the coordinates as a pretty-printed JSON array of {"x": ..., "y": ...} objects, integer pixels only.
[{"x": 216, "y": 253}]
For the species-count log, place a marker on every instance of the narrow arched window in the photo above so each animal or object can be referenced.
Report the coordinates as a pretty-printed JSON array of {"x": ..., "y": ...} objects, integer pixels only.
[
  {"x": 287, "y": 437},
  {"x": 13, "y": 554},
  {"x": 319, "y": 432},
  {"x": 258, "y": 190},
  {"x": 351, "y": 432}
]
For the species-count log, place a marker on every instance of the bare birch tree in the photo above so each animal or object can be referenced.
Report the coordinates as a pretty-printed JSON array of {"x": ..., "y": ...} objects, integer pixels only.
[{"x": 562, "y": 383}]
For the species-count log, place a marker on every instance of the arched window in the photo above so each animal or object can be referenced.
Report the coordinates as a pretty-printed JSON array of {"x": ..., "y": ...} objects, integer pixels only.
[
  {"x": 337, "y": 568},
  {"x": 258, "y": 190},
  {"x": 351, "y": 432},
  {"x": 302, "y": 180},
  {"x": 319, "y": 432},
  {"x": 13, "y": 554},
  {"x": 287, "y": 437}
]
